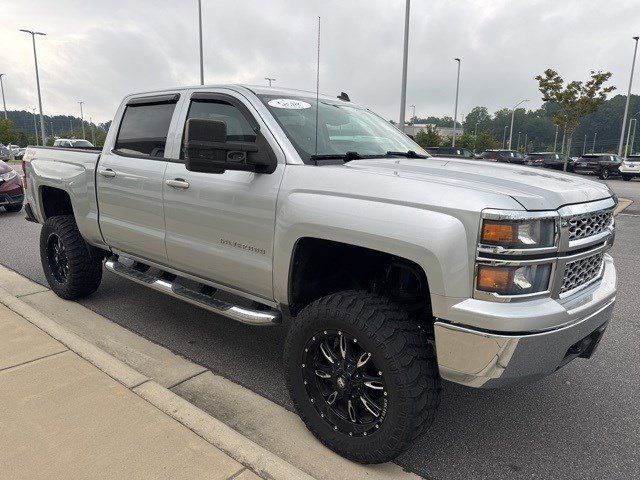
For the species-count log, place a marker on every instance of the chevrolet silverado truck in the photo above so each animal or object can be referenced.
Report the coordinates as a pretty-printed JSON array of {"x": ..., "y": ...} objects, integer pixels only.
[{"x": 391, "y": 270}]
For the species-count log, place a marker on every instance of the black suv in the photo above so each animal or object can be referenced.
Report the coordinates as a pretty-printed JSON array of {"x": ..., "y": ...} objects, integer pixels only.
[
  {"x": 450, "y": 152},
  {"x": 546, "y": 159},
  {"x": 505, "y": 156},
  {"x": 602, "y": 164}
]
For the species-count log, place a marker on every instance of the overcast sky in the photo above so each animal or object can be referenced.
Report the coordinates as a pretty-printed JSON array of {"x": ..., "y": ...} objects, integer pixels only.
[{"x": 98, "y": 51}]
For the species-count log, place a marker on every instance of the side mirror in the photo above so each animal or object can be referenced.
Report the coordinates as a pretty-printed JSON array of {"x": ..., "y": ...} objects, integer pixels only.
[{"x": 207, "y": 150}]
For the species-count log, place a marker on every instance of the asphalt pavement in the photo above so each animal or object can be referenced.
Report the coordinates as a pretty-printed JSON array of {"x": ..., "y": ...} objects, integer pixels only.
[{"x": 581, "y": 422}]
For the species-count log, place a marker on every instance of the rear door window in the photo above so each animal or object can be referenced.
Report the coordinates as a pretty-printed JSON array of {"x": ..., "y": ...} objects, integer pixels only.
[{"x": 144, "y": 129}]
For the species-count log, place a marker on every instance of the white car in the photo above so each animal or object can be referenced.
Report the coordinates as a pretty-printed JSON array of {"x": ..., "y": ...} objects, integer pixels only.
[{"x": 630, "y": 167}]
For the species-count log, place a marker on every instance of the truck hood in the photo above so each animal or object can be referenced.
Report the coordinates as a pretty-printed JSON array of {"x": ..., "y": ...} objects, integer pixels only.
[{"x": 533, "y": 188}]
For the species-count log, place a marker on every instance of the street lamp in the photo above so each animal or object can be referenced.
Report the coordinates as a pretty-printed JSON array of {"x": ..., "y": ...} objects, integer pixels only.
[
  {"x": 626, "y": 147},
  {"x": 455, "y": 110},
  {"x": 555, "y": 141},
  {"x": 626, "y": 106},
  {"x": 513, "y": 112},
  {"x": 504, "y": 136},
  {"x": 269, "y": 79},
  {"x": 82, "y": 119},
  {"x": 526, "y": 140},
  {"x": 518, "y": 144},
  {"x": 200, "y": 37},
  {"x": 413, "y": 109},
  {"x": 35, "y": 125},
  {"x": 593, "y": 149},
  {"x": 403, "y": 90},
  {"x": 4, "y": 104},
  {"x": 35, "y": 58}
]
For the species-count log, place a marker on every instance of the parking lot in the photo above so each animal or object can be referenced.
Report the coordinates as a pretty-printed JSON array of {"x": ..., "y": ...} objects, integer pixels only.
[{"x": 582, "y": 422}]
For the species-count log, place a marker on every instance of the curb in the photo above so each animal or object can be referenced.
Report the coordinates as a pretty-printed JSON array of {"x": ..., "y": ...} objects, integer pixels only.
[
  {"x": 622, "y": 204},
  {"x": 237, "y": 446}
]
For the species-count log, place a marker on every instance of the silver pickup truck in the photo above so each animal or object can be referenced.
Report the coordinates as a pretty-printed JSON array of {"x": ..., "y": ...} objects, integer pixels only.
[{"x": 391, "y": 269}]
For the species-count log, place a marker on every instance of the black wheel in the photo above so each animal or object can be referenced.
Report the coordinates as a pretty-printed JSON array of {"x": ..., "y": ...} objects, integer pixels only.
[
  {"x": 604, "y": 174},
  {"x": 13, "y": 208},
  {"x": 626, "y": 177},
  {"x": 72, "y": 267},
  {"x": 362, "y": 375}
]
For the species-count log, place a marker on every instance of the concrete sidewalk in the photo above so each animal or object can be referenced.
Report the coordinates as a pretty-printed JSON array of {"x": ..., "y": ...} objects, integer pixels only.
[{"x": 63, "y": 418}]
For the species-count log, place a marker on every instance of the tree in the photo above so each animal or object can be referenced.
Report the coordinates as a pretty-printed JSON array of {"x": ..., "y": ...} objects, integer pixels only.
[
  {"x": 428, "y": 138},
  {"x": 574, "y": 101},
  {"x": 8, "y": 133},
  {"x": 485, "y": 141}
]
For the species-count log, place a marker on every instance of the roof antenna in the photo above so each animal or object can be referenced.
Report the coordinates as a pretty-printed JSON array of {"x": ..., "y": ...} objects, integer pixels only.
[{"x": 318, "y": 87}]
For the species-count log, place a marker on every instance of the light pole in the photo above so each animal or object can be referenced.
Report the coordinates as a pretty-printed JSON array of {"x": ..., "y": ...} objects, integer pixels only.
[
  {"x": 504, "y": 136},
  {"x": 4, "y": 104},
  {"x": 594, "y": 142},
  {"x": 455, "y": 109},
  {"x": 200, "y": 37},
  {"x": 626, "y": 147},
  {"x": 518, "y": 144},
  {"x": 513, "y": 112},
  {"x": 403, "y": 90},
  {"x": 269, "y": 79},
  {"x": 413, "y": 110},
  {"x": 93, "y": 132},
  {"x": 555, "y": 141},
  {"x": 633, "y": 136},
  {"x": 51, "y": 125},
  {"x": 584, "y": 145},
  {"x": 526, "y": 139},
  {"x": 35, "y": 125},
  {"x": 475, "y": 137},
  {"x": 35, "y": 58},
  {"x": 626, "y": 105},
  {"x": 82, "y": 119}
]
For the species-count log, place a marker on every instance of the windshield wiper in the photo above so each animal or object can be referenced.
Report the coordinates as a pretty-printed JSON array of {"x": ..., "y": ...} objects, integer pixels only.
[
  {"x": 409, "y": 154},
  {"x": 345, "y": 157}
]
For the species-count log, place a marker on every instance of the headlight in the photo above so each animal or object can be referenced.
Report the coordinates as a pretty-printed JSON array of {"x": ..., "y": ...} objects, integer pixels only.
[
  {"x": 513, "y": 280},
  {"x": 518, "y": 233},
  {"x": 9, "y": 175}
]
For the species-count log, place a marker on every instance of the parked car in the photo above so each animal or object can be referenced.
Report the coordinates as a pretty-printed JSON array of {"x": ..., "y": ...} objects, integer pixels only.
[
  {"x": 392, "y": 269},
  {"x": 604, "y": 165},
  {"x": 546, "y": 159},
  {"x": 72, "y": 143},
  {"x": 630, "y": 167},
  {"x": 11, "y": 191},
  {"x": 5, "y": 153},
  {"x": 506, "y": 156},
  {"x": 17, "y": 151},
  {"x": 450, "y": 152}
]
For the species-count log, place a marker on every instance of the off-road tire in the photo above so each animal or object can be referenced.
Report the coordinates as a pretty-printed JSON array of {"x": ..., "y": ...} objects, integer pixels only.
[
  {"x": 626, "y": 177},
  {"x": 402, "y": 353},
  {"x": 84, "y": 261},
  {"x": 13, "y": 208},
  {"x": 604, "y": 174}
]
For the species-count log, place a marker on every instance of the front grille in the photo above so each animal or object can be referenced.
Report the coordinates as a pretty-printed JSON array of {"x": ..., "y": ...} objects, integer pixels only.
[
  {"x": 590, "y": 224},
  {"x": 582, "y": 271}
]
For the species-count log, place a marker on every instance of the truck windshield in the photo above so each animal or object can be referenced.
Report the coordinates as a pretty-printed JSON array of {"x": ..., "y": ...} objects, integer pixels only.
[{"x": 342, "y": 129}]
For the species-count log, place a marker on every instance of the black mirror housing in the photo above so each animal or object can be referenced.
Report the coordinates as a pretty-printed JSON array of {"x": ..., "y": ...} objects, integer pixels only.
[{"x": 207, "y": 150}]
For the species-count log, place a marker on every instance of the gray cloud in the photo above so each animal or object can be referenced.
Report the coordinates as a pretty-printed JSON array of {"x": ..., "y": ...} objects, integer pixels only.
[{"x": 98, "y": 51}]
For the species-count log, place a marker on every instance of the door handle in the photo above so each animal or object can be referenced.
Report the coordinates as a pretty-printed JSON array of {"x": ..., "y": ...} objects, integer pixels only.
[
  {"x": 179, "y": 183},
  {"x": 107, "y": 172}
]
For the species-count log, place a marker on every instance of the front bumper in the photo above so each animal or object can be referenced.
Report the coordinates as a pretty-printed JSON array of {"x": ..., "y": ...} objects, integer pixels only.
[{"x": 488, "y": 358}]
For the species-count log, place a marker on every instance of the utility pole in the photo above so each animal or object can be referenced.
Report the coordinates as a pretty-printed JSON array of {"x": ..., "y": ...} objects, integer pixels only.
[
  {"x": 200, "y": 32},
  {"x": 455, "y": 109},
  {"x": 555, "y": 141},
  {"x": 594, "y": 142},
  {"x": 35, "y": 126},
  {"x": 4, "y": 104},
  {"x": 513, "y": 112},
  {"x": 82, "y": 119},
  {"x": 405, "y": 53},
  {"x": 93, "y": 132},
  {"x": 504, "y": 136},
  {"x": 35, "y": 58},
  {"x": 268, "y": 79},
  {"x": 626, "y": 105}
]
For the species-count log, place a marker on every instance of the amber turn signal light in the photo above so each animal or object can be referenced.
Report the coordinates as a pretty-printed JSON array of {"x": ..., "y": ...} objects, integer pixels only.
[
  {"x": 499, "y": 232},
  {"x": 494, "y": 279}
]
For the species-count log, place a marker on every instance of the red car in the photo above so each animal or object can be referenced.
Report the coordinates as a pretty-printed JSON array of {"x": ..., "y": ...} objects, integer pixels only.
[{"x": 11, "y": 191}]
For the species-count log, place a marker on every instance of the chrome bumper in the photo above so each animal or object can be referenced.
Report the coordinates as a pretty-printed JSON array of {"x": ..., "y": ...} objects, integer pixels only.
[{"x": 490, "y": 360}]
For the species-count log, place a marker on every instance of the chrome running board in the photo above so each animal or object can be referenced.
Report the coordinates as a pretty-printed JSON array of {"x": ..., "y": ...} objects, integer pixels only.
[{"x": 268, "y": 316}]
